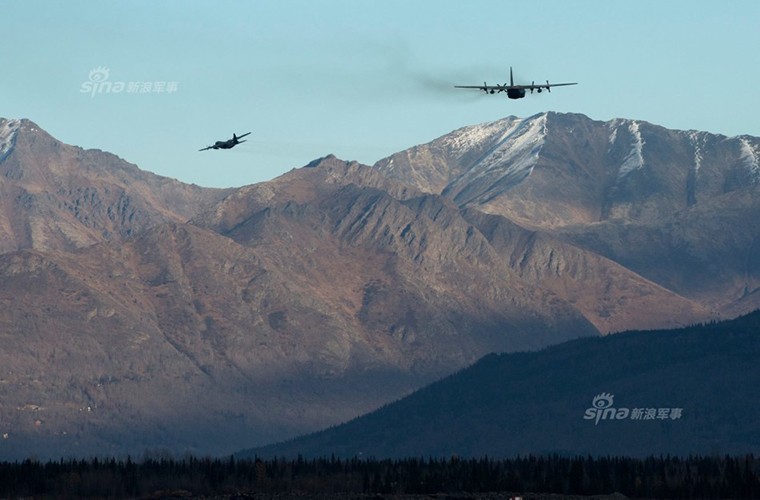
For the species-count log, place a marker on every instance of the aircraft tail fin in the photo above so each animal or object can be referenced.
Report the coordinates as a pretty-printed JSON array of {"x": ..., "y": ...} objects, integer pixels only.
[
  {"x": 234, "y": 137},
  {"x": 511, "y": 80}
]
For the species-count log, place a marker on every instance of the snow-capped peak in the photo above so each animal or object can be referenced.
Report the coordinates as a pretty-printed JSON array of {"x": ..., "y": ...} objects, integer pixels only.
[
  {"x": 8, "y": 130},
  {"x": 525, "y": 136},
  {"x": 467, "y": 138},
  {"x": 515, "y": 151}
]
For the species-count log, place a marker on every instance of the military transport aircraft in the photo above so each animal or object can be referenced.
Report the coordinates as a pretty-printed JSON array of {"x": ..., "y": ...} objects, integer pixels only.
[
  {"x": 228, "y": 144},
  {"x": 514, "y": 91}
]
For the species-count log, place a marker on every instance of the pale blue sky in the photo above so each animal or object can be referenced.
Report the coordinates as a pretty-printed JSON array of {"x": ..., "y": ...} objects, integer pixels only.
[{"x": 362, "y": 79}]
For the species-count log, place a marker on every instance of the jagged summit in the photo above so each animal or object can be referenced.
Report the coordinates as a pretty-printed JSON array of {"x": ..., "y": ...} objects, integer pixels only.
[
  {"x": 327, "y": 159},
  {"x": 56, "y": 196}
]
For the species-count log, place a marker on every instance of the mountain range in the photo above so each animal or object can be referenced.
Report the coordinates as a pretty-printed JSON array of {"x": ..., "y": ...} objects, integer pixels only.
[{"x": 140, "y": 312}]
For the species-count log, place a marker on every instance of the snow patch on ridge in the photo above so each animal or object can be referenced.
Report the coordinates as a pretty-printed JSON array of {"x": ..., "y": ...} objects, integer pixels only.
[
  {"x": 696, "y": 140},
  {"x": 635, "y": 159},
  {"x": 614, "y": 125},
  {"x": 8, "y": 130},
  {"x": 749, "y": 156}
]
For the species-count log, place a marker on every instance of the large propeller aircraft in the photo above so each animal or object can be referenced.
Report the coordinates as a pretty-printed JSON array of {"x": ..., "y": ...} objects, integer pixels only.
[
  {"x": 228, "y": 144},
  {"x": 514, "y": 91}
]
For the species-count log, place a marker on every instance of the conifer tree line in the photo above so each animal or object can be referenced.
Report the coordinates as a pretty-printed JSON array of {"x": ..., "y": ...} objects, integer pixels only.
[{"x": 654, "y": 477}]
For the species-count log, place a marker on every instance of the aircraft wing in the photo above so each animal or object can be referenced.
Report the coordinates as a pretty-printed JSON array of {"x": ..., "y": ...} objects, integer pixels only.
[
  {"x": 482, "y": 87},
  {"x": 208, "y": 147},
  {"x": 540, "y": 86},
  {"x": 504, "y": 88},
  {"x": 241, "y": 136}
]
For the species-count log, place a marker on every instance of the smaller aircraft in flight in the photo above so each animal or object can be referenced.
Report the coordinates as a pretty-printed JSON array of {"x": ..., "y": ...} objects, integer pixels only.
[
  {"x": 514, "y": 91},
  {"x": 228, "y": 144}
]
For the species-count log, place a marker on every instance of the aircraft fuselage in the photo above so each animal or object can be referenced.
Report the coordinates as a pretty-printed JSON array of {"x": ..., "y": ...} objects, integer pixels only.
[
  {"x": 228, "y": 144},
  {"x": 515, "y": 93}
]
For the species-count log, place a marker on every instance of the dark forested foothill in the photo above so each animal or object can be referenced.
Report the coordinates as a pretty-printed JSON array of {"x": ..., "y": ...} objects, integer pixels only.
[
  {"x": 516, "y": 404},
  {"x": 531, "y": 477}
]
